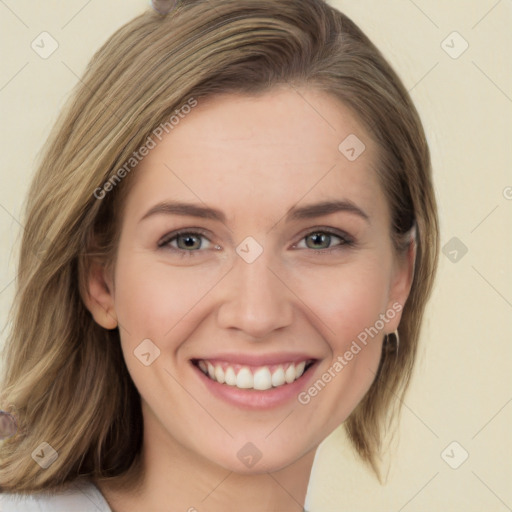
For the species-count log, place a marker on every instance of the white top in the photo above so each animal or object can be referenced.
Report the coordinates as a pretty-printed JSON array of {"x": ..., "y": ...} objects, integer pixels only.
[{"x": 81, "y": 496}]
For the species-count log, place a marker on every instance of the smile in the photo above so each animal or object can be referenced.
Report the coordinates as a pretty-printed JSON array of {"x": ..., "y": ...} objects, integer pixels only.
[{"x": 259, "y": 378}]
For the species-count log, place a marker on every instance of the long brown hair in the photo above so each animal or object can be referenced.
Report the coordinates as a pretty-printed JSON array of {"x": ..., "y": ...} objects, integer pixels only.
[{"x": 65, "y": 378}]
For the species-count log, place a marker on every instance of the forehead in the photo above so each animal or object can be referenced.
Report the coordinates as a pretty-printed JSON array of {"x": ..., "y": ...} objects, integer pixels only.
[{"x": 267, "y": 151}]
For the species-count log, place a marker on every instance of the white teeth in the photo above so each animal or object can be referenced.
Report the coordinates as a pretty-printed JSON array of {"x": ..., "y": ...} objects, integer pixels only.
[
  {"x": 219, "y": 374},
  {"x": 299, "y": 369},
  {"x": 278, "y": 377},
  {"x": 289, "y": 374},
  {"x": 230, "y": 376},
  {"x": 262, "y": 378},
  {"x": 244, "y": 379}
]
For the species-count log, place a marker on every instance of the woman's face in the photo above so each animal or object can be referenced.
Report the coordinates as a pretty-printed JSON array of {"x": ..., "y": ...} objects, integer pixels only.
[{"x": 255, "y": 247}]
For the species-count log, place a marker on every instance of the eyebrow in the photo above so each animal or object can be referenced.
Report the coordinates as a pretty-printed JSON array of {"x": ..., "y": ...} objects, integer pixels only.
[
  {"x": 326, "y": 208},
  {"x": 295, "y": 213},
  {"x": 188, "y": 209}
]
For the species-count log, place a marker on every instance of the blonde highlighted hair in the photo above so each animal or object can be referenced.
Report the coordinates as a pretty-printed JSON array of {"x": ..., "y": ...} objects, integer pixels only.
[{"x": 65, "y": 377}]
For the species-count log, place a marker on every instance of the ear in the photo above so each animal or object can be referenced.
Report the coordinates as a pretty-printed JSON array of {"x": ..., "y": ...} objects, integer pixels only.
[
  {"x": 99, "y": 296},
  {"x": 400, "y": 287}
]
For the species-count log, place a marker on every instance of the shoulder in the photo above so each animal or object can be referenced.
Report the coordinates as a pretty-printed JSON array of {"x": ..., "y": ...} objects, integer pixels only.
[{"x": 80, "y": 496}]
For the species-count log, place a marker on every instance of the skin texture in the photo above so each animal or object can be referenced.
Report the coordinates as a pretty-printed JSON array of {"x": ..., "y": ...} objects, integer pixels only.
[{"x": 253, "y": 158}]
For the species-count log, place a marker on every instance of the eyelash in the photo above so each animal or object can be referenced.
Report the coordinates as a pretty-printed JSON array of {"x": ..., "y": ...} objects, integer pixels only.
[{"x": 345, "y": 241}]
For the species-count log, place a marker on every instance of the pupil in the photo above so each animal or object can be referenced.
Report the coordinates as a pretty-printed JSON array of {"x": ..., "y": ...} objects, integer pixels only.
[
  {"x": 189, "y": 241},
  {"x": 320, "y": 239}
]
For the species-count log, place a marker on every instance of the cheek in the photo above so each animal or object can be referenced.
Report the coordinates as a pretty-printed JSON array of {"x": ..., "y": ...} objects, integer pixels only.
[
  {"x": 157, "y": 302},
  {"x": 346, "y": 299},
  {"x": 153, "y": 298}
]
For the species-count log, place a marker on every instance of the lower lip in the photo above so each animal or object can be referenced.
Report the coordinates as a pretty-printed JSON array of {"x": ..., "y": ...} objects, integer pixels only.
[{"x": 255, "y": 399}]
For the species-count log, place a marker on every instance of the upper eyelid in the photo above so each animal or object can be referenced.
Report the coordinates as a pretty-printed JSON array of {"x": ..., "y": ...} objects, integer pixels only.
[
  {"x": 324, "y": 229},
  {"x": 345, "y": 238},
  {"x": 166, "y": 239}
]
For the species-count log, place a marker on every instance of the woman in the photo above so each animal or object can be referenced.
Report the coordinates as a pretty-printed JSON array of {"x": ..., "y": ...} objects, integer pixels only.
[{"x": 228, "y": 249}]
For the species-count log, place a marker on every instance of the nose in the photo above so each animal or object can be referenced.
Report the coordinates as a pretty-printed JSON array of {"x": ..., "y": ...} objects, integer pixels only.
[{"x": 255, "y": 299}]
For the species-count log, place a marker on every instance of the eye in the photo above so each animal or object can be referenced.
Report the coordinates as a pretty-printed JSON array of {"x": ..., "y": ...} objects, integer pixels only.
[
  {"x": 185, "y": 241},
  {"x": 322, "y": 240},
  {"x": 189, "y": 242}
]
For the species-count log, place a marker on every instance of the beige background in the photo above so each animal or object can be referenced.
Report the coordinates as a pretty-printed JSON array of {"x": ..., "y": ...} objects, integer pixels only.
[{"x": 461, "y": 390}]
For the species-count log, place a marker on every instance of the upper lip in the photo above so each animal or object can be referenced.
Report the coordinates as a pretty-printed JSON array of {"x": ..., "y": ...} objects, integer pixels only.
[{"x": 257, "y": 359}]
